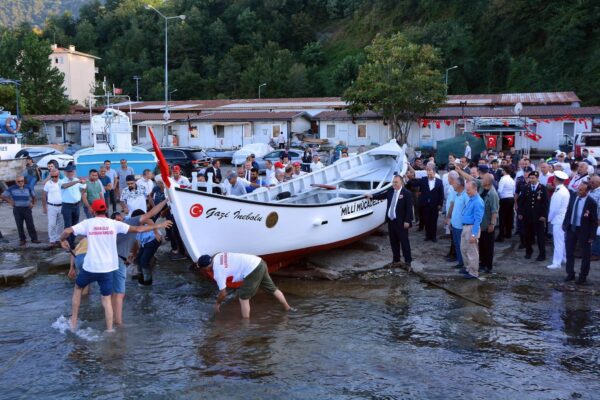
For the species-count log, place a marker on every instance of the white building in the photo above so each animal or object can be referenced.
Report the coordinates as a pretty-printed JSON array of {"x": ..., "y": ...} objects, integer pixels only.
[{"x": 79, "y": 70}]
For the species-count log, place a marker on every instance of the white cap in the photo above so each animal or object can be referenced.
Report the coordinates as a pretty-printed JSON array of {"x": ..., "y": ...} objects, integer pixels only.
[{"x": 561, "y": 175}]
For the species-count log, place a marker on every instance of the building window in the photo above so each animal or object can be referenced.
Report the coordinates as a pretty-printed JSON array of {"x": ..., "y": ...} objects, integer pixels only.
[
  {"x": 362, "y": 131},
  {"x": 73, "y": 128},
  {"x": 247, "y": 130},
  {"x": 219, "y": 131},
  {"x": 193, "y": 131},
  {"x": 141, "y": 132},
  {"x": 276, "y": 130},
  {"x": 569, "y": 129},
  {"x": 58, "y": 131},
  {"x": 330, "y": 131}
]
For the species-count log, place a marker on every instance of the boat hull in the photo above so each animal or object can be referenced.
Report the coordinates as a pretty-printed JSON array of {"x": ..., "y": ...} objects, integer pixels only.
[
  {"x": 279, "y": 233},
  {"x": 139, "y": 161}
]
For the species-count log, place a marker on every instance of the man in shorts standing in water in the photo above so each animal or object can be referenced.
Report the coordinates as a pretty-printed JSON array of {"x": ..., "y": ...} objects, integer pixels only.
[
  {"x": 101, "y": 259},
  {"x": 246, "y": 268}
]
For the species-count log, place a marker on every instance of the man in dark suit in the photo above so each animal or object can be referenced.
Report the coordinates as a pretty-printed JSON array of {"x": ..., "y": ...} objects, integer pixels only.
[
  {"x": 217, "y": 178},
  {"x": 533, "y": 210},
  {"x": 431, "y": 200},
  {"x": 399, "y": 215},
  {"x": 580, "y": 224}
]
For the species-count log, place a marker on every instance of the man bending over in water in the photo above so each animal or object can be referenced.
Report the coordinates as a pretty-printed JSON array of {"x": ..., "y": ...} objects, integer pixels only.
[{"x": 246, "y": 268}]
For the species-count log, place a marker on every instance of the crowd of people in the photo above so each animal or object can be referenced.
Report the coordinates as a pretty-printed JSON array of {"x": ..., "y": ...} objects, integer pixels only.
[
  {"x": 482, "y": 201},
  {"x": 489, "y": 198}
]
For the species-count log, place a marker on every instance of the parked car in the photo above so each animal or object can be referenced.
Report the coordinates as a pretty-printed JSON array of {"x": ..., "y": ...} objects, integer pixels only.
[
  {"x": 275, "y": 155},
  {"x": 258, "y": 149},
  {"x": 43, "y": 155},
  {"x": 190, "y": 159}
]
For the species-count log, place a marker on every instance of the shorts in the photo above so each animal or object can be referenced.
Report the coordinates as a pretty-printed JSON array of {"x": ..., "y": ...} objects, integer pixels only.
[
  {"x": 79, "y": 262},
  {"x": 104, "y": 279},
  {"x": 258, "y": 278},
  {"x": 119, "y": 277}
]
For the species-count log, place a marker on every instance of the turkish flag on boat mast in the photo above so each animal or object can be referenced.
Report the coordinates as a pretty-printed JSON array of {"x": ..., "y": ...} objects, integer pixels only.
[{"x": 162, "y": 163}]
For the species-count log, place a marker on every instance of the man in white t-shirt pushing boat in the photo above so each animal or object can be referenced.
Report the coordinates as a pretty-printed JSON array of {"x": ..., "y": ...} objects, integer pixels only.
[
  {"x": 101, "y": 259},
  {"x": 246, "y": 268}
]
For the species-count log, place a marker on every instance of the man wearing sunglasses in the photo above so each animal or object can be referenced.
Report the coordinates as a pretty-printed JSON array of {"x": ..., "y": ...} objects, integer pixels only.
[
  {"x": 52, "y": 205},
  {"x": 22, "y": 199}
]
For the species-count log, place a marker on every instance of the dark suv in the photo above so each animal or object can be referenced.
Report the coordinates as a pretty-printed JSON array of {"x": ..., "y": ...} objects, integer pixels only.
[{"x": 190, "y": 159}]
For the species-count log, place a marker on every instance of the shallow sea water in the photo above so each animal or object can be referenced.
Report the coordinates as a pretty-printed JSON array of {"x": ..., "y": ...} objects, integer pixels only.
[{"x": 392, "y": 337}]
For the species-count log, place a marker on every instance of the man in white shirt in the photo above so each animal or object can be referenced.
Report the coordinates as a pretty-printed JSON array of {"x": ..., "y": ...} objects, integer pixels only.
[
  {"x": 281, "y": 140},
  {"x": 587, "y": 156},
  {"x": 133, "y": 197},
  {"x": 101, "y": 258},
  {"x": 146, "y": 181},
  {"x": 467, "y": 150},
  {"x": 559, "y": 202},
  {"x": 246, "y": 268},
  {"x": 72, "y": 189},
  {"x": 506, "y": 193},
  {"x": 316, "y": 164},
  {"x": 52, "y": 204},
  {"x": 545, "y": 173},
  {"x": 181, "y": 180},
  {"x": 580, "y": 176},
  {"x": 269, "y": 171}
]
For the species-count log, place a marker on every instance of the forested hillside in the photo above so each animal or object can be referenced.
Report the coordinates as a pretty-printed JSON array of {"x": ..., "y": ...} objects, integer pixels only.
[
  {"x": 35, "y": 12},
  {"x": 314, "y": 47}
]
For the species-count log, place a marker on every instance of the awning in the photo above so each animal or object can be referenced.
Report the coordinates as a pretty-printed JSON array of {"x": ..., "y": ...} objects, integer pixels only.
[
  {"x": 153, "y": 122},
  {"x": 229, "y": 123}
]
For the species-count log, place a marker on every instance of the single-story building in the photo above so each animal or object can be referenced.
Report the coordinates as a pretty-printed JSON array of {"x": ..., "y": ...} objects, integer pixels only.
[{"x": 235, "y": 129}]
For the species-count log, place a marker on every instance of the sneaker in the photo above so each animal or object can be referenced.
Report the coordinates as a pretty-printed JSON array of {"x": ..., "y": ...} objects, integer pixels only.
[
  {"x": 469, "y": 276},
  {"x": 553, "y": 266},
  {"x": 540, "y": 258},
  {"x": 463, "y": 271},
  {"x": 569, "y": 278},
  {"x": 36, "y": 241},
  {"x": 581, "y": 281},
  {"x": 528, "y": 256}
]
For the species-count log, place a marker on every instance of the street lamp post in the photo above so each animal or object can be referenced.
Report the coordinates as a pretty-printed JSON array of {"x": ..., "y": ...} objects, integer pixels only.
[
  {"x": 259, "y": 87},
  {"x": 181, "y": 17},
  {"x": 170, "y": 94},
  {"x": 447, "y": 70},
  {"x": 136, "y": 78}
]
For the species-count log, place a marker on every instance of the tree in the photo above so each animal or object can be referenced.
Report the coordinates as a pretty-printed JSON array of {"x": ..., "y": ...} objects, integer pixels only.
[
  {"x": 41, "y": 83},
  {"x": 400, "y": 81}
]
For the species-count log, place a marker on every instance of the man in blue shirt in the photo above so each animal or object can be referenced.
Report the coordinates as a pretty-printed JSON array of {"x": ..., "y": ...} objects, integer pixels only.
[
  {"x": 471, "y": 220},
  {"x": 22, "y": 199},
  {"x": 458, "y": 200}
]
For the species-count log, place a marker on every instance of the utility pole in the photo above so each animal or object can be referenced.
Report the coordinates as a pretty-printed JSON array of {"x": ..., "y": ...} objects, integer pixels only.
[{"x": 136, "y": 78}]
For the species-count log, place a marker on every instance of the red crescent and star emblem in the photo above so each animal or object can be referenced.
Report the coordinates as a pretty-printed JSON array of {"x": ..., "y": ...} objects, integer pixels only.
[{"x": 196, "y": 210}]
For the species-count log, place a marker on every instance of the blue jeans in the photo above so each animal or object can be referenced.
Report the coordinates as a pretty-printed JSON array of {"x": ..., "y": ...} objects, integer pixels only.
[
  {"x": 456, "y": 233},
  {"x": 70, "y": 213},
  {"x": 31, "y": 181},
  {"x": 144, "y": 256}
]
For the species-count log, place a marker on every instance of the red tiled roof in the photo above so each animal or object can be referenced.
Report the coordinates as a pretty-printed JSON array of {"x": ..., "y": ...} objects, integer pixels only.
[
  {"x": 344, "y": 115},
  {"x": 469, "y": 112},
  {"x": 248, "y": 116},
  {"x": 514, "y": 98}
]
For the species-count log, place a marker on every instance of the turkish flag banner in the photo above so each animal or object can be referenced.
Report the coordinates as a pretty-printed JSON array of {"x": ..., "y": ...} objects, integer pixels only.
[
  {"x": 510, "y": 140},
  {"x": 491, "y": 141}
]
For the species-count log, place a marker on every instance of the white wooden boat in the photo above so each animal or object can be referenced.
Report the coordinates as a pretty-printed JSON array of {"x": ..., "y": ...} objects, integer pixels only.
[{"x": 317, "y": 211}]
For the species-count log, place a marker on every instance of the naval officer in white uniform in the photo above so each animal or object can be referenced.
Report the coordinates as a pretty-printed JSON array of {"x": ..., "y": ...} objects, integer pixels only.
[{"x": 556, "y": 215}]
